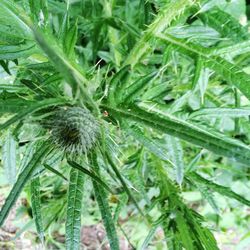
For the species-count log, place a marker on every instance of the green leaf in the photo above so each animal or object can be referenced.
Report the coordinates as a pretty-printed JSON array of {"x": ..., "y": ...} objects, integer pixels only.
[
  {"x": 149, "y": 237},
  {"x": 166, "y": 16},
  {"x": 9, "y": 157},
  {"x": 31, "y": 109},
  {"x": 116, "y": 83},
  {"x": 208, "y": 195},
  {"x": 192, "y": 165},
  {"x": 176, "y": 154},
  {"x": 5, "y": 66},
  {"x": 184, "y": 231},
  {"x": 69, "y": 41},
  {"x": 91, "y": 174},
  {"x": 74, "y": 208},
  {"x": 169, "y": 124},
  {"x": 28, "y": 154},
  {"x": 102, "y": 200},
  {"x": 68, "y": 70},
  {"x": 112, "y": 34},
  {"x": 39, "y": 11},
  {"x": 124, "y": 184},
  {"x": 23, "y": 177},
  {"x": 123, "y": 199},
  {"x": 225, "y": 24},
  {"x": 232, "y": 50},
  {"x": 203, "y": 83},
  {"x": 202, "y": 234},
  {"x": 34, "y": 87},
  {"x": 11, "y": 52},
  {"x": 221, "y": 112},
  {"x": 14, "y": 17},
  {"x": 17, "y": 88},
  {"x": 64, "y": 26},
  {"x": 198, "y": 72},
  {"x": 55, "y": 171},
  {"x": 154, "y": 147},
  {"x": 231, "y": 73},
  {"x": 36, "y": 206},
  {"x": 136, "y": 88},
  {"x": 226, "y": 191}
]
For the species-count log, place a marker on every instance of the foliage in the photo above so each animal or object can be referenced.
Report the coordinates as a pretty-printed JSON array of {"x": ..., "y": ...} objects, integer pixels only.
[{"x": 129, "y": 104}]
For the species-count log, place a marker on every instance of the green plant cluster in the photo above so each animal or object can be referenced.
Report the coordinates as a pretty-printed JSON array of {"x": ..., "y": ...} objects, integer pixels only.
[{"x": 130, "y": 105}]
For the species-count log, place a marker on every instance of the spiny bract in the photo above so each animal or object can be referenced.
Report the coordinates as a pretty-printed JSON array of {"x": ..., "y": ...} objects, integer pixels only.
[{"x": 74, "y": 129}]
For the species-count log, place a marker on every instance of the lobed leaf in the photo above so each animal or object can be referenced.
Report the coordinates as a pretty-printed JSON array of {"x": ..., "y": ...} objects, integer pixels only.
[
  {"x": 153, "y": 117},
  {"x": 230, "y": 72},
  {"x": 167, "y": 15},
  {"x": 225, "y": 24}
]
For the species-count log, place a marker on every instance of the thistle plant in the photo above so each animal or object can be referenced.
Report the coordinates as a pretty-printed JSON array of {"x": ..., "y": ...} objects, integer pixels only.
[
  {"x": 73, "y": 129},
  {"x": 128, "y": 106}
]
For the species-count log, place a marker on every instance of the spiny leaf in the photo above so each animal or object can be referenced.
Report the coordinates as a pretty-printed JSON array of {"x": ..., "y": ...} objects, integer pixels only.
[
  {"x": 176, "y": 153},
  {"x": 74, "y": 208},
  {"x": 34, "y": 87},
  {"x": 5, "y": 66},
  {"x": 226, "y": 191},
  {"x": 13, "y": 105},
  {"x": 69, "y": 71},
  {"x": 31, "y": 109},
  {"x": 184, "y": 231},
  {"x": 198, "y": 71},
  {"x": 232, "y": 50},
  {"x": 36, "y": 206},
  {"x": 192, "y": 165},
  {"x": 91, "y": 174},
  {"x": 168, "y": 14},
  {"x": 221, "y": 112},
  {"x": 113, "y": 34},
  {"x": 208, "y": 195},
  {"x": 225, "y": 24},
  {"x": 150, "y": 144},
  {"x": 123, "y": 199},
  {"x": 14, "y": 16},
  {"x": 9, "y": 157},
  {"x": 232, "y": 73},
  {"x": 23, "y": 177},
  {"x": 161, "y": 121},
  {"x": 127, "y": 190},
  {"x": 102, "y": 200},
  {"x": 202, "y": 234}
]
